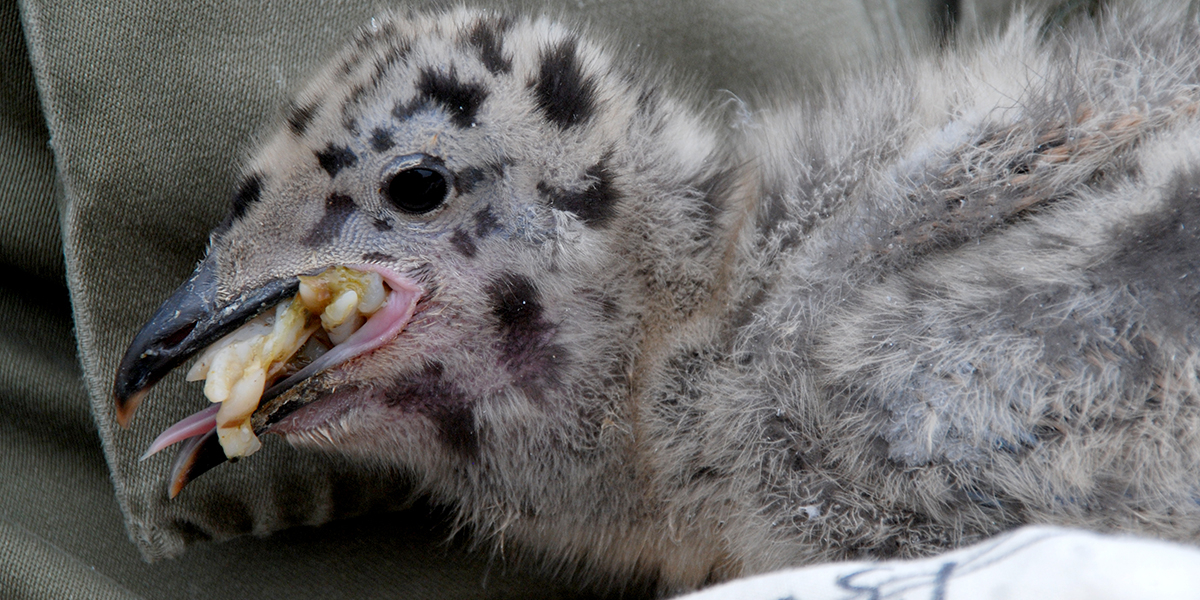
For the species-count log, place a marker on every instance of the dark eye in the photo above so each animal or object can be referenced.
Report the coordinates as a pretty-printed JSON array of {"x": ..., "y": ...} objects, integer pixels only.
[{"x": 417, "y": 189}]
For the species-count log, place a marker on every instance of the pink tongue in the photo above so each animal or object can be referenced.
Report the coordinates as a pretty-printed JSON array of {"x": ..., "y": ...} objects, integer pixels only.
[
  {"x": 197, "y": 424},
  {"x": 384, "y": 325}
]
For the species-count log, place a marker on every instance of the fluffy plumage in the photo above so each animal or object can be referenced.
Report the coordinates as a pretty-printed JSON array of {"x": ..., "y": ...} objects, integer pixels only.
[{"x": 954, "y": 297}]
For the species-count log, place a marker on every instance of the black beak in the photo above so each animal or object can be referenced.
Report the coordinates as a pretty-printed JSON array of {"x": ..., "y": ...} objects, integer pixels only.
[
  {"x": 202, "y": 453},
  {"x": 194, "y": 459},
  {"x": 189, "y": 321}
]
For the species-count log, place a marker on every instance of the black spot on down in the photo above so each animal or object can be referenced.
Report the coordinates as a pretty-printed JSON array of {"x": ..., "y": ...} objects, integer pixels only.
[
  {"x": 466, "y": 179},
  {"x": 403, "y": 110},
  {"x": 396, "y": 52},
  {"x": 338, "y": 208},
  {"x": 594, "y": 204},
  {"x": 486, "y": 222},
  {"x": 526, "y": 336},
  {"x": 461, "y": 100},
  {"x": 485, "y": 37},
  {"x": 447, "y": 408},
  {"x": 563, "y": 93},
  {"x": 248, "y": 192},
  {"x": 462, "y": 242},
  {"x": 381, "y": 140},
  {"x": 515, "y": 303},
  {"x": 300, "y": 117},
  {"x": 335, "y": 158}
]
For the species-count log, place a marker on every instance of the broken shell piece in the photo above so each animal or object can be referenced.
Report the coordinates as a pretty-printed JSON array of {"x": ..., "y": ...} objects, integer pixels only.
[
  {"x": 226, "y": 367},
  {"x": 314, "y": 293},
  {"x": 233, "y": 422},
  {"x": 373, "y": 294},
  {"x": 259, "y": 326},
  {"x": 343, "y": 332},
  {"x": 340, "y": 309},
  {"x": 318, "y": 291},
  {"x": 240, "y": 436},
  {"x": 239, "y": 367}
]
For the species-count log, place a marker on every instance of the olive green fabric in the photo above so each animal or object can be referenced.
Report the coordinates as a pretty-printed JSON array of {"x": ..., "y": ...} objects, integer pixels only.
[{"x": 121, "y": 125}]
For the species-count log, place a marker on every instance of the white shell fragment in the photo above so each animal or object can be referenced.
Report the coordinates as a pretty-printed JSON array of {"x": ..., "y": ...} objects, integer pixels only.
[
  {"x": 340, "y": 309},
  {"x": 239, "y": 367}
]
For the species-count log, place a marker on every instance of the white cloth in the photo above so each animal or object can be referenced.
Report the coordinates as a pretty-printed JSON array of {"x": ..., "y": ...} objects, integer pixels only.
[{"x": 1032, "y": 563}]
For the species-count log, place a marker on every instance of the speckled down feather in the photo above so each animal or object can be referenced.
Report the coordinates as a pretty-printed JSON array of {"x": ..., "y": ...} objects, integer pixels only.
[{"x": 662, "y": 343}]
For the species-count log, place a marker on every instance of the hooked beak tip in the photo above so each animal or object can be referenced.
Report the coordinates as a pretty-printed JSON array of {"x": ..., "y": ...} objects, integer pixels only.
[
  {"x": 187, "y": 322},
  {"x": 127, "y": 405}
]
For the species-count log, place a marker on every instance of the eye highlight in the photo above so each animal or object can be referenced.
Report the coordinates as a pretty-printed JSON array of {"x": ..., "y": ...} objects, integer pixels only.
[{"x": 418, "y": 186}]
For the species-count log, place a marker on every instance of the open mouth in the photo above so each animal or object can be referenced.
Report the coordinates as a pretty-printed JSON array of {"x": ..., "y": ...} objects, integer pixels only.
[{"x": 254, "y": 349}]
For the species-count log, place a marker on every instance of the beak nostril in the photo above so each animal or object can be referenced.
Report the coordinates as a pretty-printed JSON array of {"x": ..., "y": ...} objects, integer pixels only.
[{"x": 177, "y": 338}]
